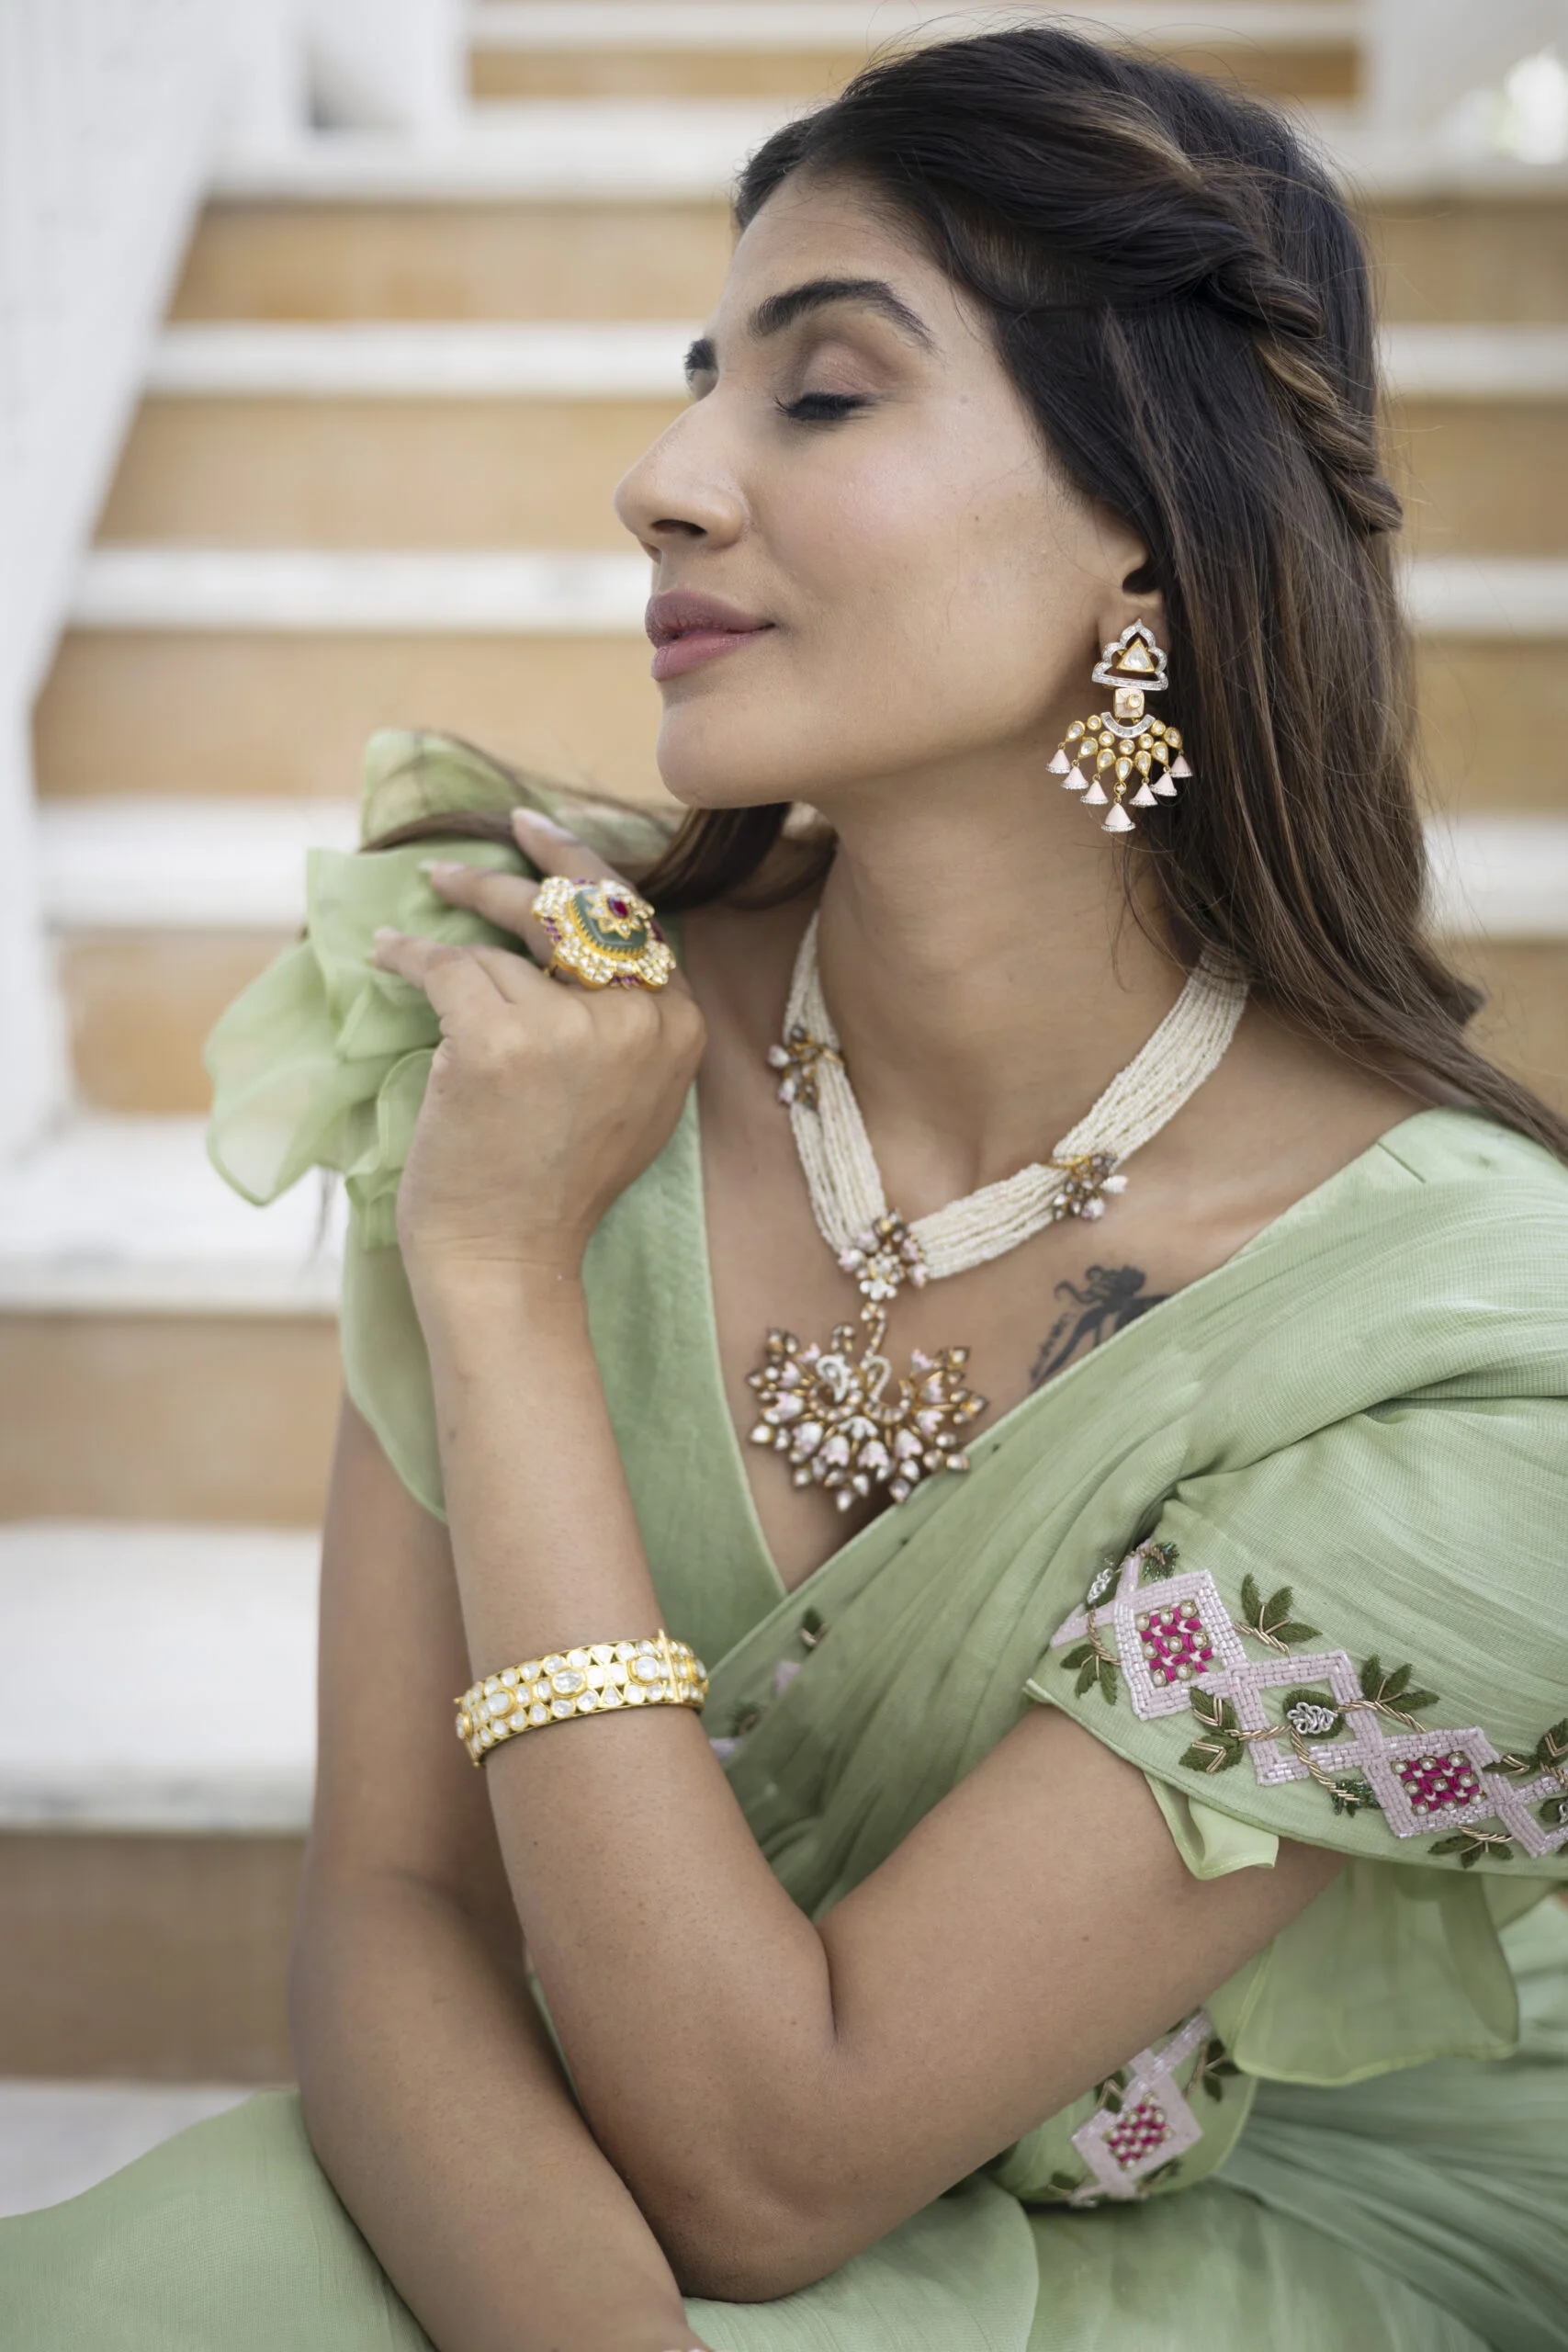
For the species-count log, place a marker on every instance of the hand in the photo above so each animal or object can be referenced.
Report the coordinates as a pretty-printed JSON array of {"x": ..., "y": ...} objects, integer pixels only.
[{"x": 546, "y": 1099}]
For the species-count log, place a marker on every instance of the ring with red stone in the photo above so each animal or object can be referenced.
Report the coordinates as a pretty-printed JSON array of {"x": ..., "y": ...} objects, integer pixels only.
[{"x": 604, "y": 935}]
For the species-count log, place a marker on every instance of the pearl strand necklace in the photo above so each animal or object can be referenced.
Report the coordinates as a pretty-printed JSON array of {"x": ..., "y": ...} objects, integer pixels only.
[{"x": 832, "y": 1417}]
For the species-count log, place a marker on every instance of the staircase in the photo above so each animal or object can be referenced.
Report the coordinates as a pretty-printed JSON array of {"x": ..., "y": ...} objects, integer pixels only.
[{"x": 368, "y": 484}]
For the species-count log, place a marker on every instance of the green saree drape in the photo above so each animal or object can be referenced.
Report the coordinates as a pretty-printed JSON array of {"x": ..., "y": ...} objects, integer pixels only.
[{"x": 1291, "y": 1543}]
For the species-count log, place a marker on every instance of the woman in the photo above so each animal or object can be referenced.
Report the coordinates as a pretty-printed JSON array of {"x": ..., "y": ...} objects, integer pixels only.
[{"x": 1096, "y": 1907}]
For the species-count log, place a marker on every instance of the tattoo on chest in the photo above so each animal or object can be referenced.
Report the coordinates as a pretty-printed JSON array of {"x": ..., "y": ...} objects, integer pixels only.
[{"x": 1107, "y": 1299}]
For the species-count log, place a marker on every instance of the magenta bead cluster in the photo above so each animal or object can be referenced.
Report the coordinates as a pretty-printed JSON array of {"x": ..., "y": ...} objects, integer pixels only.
[
  {"x": 1176, "y": 1644},
  {"x": 1435, "y": 1782},
  {"x": 1138, "y": 2133}
]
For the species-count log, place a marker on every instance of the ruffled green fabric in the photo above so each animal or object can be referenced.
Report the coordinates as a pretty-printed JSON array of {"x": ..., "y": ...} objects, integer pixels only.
[{"x": 322, "y": 1061}]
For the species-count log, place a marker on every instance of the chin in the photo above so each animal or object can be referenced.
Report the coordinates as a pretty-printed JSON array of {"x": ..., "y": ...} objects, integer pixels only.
[{"x": 708, "y": 761}]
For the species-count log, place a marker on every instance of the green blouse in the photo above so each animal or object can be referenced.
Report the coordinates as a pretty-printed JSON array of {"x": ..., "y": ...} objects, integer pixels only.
[{"x": 1290, "y": 1543}]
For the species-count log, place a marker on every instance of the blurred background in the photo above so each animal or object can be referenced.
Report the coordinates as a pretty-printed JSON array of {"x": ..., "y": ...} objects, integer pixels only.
[{"x": 326, "y": 328}]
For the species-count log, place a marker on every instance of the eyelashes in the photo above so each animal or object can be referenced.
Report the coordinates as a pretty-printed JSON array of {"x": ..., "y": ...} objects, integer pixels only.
[{"x": 822, "y": 407}]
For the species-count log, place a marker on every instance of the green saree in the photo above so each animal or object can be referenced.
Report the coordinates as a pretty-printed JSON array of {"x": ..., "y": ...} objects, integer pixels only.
[{"x": 1290, "y": 1543}]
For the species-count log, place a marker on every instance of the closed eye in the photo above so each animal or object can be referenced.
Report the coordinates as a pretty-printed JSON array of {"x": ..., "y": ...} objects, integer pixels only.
[{"x": 823, "y": 408}]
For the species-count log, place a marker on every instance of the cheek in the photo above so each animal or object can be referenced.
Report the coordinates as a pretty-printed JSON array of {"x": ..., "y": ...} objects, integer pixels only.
[
  {"x": 933, "y": 576},
  {"x": 933, "y": 617}
]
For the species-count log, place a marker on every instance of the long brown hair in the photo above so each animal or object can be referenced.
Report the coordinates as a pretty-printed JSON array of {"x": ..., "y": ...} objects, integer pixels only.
[{"x": 1178, "y": 293}]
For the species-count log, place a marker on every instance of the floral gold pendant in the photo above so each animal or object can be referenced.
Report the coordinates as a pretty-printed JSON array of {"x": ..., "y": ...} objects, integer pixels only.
[{"x": 845, "y": 1424}]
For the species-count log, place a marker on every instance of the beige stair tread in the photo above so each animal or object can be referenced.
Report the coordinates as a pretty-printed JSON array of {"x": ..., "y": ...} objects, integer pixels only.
[
  {"x": 125, "y": 1215},
  {"x": 156, "y": 1678},
  {"x": 58, "y": 2139}
]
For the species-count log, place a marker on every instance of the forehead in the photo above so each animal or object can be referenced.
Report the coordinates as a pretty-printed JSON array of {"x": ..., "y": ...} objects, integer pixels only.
[{"x": 819, "y": 229}]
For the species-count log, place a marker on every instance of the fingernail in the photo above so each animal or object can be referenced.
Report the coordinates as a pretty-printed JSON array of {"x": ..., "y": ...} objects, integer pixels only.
[
  {"x": 541, "y": 823},
  {"x": 440, "y": 867},
  {"x": 384, "y": 932}
]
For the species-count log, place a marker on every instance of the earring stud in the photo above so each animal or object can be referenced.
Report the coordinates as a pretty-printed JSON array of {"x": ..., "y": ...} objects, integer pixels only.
[{"x": 1101, "y": 757}]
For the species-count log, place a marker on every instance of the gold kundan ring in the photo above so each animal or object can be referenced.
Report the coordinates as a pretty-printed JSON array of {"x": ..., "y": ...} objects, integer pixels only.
[{"x": 604, "y": 935}]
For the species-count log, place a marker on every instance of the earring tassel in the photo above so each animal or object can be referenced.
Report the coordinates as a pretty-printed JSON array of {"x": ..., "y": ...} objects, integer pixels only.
[
  {"x": 1059, "y": 763},
  {"x": 1178, "y": 766},
  {"x": 1118, "y": 821},
  {"x": 1095, "y": 797},
  {"x": 1143, "y": 797},
  {"x": 1075, "y": 781}
]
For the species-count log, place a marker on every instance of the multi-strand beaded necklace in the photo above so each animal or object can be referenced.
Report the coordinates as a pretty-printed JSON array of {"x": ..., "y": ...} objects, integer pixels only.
[{"x": 849, "y": 1425}]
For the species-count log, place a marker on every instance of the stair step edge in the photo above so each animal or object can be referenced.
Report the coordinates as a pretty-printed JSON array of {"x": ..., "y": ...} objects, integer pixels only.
[
  {"x": 548, "y": 593},
  {"x": 156, "y": 1678}
]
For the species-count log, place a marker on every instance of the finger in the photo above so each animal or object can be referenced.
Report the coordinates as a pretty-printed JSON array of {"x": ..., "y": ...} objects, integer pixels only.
[
  {"x": 504, "y": 899},
  {"x": 456, "y": 979},
  {"x": 554, "y": 850}
]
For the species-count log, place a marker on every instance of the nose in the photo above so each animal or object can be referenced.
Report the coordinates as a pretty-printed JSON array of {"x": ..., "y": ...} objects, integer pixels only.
[{"x": 683, "y": 489}]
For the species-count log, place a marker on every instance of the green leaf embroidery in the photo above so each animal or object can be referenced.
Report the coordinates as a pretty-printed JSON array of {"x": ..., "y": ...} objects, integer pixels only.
[
  {"x": 1214, "y": 2067},
  {"x": 743, "y": 1720},
  {"x": 1168, "y": 2171},
  {"x": 1390, "y": 1688},
  {"x": 1272, "y": 1620},
  {"x": 1549, "y": 1753},
  {"x": 1093, "y": 1666},
  {"x": 1109, "y": 2092},
  {"x": 1159, "y": 1560},
  {"x": 1471, "y": 1843},
  {"x": 1222, "y": 1744},
  {"x": 1352, "y": 1796}
]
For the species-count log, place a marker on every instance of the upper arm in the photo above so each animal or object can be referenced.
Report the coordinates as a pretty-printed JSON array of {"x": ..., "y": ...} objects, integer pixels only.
[
  {"x": 1035, "y": 1929},
  {"x": 395, "y": 1793}
]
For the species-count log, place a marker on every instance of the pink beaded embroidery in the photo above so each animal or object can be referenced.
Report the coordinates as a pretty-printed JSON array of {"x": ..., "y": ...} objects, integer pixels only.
[
  {"x": 1150, "y": 2122},
  {"x": 1353, "y": 1731},
  {"x": 1175, "y": 1644},
  {"x": 1433, "y": 1781},
  {"x": 1137, "y": 2135}
]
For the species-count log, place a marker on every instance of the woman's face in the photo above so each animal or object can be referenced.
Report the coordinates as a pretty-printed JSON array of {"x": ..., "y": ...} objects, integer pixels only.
[{"x": 857, "y": 478}]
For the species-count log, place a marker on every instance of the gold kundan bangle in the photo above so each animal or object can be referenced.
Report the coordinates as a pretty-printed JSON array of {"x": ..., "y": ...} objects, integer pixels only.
[{"x": 591, "y": 1681}]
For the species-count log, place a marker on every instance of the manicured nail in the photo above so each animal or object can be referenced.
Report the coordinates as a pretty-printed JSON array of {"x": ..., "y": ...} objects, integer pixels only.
[
  {"x": 541, "y": 823},
  {"x": 385, "y": 932},
  {"x": 440, "y": 867}
]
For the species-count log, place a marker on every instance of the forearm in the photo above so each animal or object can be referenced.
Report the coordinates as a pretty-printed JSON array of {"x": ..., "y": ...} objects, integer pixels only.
[
  {"x": 442, "y": 2116},
  {"x": 692, "y": 1996}
]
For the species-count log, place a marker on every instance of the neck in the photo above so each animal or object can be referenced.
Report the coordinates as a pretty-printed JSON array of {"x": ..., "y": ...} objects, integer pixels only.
[{"x": 984, "y": 974}]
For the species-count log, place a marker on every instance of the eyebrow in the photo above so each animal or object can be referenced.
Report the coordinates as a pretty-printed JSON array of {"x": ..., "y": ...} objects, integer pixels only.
[{"x": 778, "y": 311}]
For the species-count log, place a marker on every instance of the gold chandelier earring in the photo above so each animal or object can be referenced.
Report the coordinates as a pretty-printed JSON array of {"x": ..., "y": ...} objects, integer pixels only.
[{"x": 1121, "y": 746}]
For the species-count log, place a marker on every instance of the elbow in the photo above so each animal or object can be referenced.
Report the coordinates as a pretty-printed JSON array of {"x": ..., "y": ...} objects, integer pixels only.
[{"x": 739, "y": 2240}]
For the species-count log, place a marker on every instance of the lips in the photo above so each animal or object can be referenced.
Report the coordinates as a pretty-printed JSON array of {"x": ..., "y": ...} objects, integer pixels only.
[{"x": 688, "y": 628}]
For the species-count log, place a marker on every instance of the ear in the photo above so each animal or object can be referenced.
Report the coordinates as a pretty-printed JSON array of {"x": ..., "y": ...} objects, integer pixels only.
[{"x": 1140, "y": 599}]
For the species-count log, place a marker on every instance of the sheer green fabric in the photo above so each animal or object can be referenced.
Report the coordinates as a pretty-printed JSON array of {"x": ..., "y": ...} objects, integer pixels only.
[{"x": 1352, "y": 1437}]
